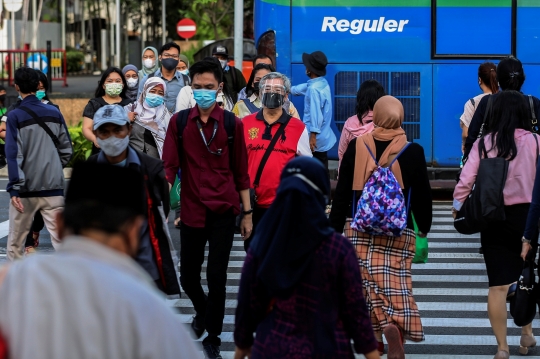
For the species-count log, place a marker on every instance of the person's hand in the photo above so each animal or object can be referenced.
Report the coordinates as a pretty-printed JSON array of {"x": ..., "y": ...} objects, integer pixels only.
[
  {"x": 16, "y": 202},
  {"x": 373, "y": 355},
  {"x": 246, "y": 226},
  {"x": 131, "y": 116},
  {"x": 242, "y": 353},
  {"x": 525, "y": 248},
  {"x": 96, "y": 144},
  {"x": 422, "y": 235},
  {"x": 313, "y": 142},
  {"x": 454, "y": 212}
]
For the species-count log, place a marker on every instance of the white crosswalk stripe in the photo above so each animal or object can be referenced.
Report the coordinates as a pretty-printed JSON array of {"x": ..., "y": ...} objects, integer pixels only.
[{"x": 451, "y": 292}]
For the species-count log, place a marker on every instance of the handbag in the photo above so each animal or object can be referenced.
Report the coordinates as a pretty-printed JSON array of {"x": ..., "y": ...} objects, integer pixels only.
[
  {"x": 523, "y": 303},
  {"x": 485, "y": 203},
  {"x": 421, "y": 253},
  {"x": 174, "y": 194}
]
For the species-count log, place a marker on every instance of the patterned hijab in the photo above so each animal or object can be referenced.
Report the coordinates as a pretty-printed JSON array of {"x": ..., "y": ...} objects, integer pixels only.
[
  {"x": 388, "y": 115},
  {"x": 154, "y": 119}
]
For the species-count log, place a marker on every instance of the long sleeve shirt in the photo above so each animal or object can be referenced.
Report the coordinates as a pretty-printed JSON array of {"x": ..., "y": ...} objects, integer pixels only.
[
  {"x": 325, "y": 311},
  {"x": 209, "y": 181},
  {"x": 415, "y": 178},
  {"x": 317, "y": 111}
]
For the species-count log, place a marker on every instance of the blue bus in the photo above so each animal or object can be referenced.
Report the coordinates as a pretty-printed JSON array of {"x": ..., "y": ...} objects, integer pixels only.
[{"x": 424, "y": 52}]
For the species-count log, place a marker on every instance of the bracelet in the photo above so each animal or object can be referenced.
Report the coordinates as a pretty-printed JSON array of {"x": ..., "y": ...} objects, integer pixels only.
[
  {"x": 247, "y": 212},
  {"x": 525, "y": 240}
]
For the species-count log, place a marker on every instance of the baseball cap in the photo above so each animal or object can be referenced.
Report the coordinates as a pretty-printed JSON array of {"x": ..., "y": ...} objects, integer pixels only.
[
  {"x": 110, "y": 114},
  {"x": 220, "y": 50}
]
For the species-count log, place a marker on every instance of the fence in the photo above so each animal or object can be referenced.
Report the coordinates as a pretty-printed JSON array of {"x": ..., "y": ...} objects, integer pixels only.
[{"x": 54, "y": 66}]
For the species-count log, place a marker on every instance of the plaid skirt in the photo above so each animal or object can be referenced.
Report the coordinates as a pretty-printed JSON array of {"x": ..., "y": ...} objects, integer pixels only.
[{"x": 385, "y": 265}]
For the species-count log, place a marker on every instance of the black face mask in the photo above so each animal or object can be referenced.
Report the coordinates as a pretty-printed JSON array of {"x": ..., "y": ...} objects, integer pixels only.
[
  {"x": 256, "y": 87},
  {"x": 169, "y": 64},
  {"x": 272, "y": 100},
  {"x": 3, "y": 99}
]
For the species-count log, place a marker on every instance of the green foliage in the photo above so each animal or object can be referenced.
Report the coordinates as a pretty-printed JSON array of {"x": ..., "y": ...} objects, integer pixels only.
[
  {"x": 191, "y": 52},
  {"x": 82, "y": 148},
  {"x": 75, "y": 60}
]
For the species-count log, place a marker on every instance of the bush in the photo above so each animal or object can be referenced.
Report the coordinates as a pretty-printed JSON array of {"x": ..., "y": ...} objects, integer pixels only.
[
  {"x": 75, "y": 61},
  {"x": 82, "y": 148}
]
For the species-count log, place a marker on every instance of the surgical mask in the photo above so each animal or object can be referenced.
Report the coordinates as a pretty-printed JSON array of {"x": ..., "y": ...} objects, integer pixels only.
[
  {"x": 272, "y": 100},
  {"x": 184, "y": 72},
  {"x": 169, "y": 64},
  {"x": 256, "y": 87},
  {"x": 223, "y": 63},
  {"x": 132, "y": 83},
  {"x": 113, "y": 89},
  {"x": 154, "y": 100},
  {"x": 41, "y": 94},
  {"x": 113, "y": 146},
  {"x": 149, "y": 63},
  {"x": 205, "y": 98}
]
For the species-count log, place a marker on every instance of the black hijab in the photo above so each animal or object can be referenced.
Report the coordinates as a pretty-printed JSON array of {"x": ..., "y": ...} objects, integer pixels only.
[{"x": 294, "y": 226}]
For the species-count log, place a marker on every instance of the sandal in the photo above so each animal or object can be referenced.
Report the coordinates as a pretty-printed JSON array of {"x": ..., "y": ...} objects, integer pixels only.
[{"x": 394, "y": 338}]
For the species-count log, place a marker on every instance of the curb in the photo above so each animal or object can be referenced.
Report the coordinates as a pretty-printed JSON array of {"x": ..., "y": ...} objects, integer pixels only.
[{"x": 67, "y": 172}]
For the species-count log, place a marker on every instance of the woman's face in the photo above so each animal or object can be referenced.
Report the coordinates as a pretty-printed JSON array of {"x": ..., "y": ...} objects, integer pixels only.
[
  {"x": 181, "y": 66},
  {"x": 41, "y": 87},
  {"x": 157, "y": 90},
  {"x": 149, "y": 54},
  {"x": 260, "y": 74},
  {"x": 113, "y": 77},
  {"x": 131, "y": 75}
]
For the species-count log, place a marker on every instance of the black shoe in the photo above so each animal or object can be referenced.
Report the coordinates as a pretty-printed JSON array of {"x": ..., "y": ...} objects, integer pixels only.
[
  {"x": 197, "y": 325},
  {"x": 211, "y": 352}
]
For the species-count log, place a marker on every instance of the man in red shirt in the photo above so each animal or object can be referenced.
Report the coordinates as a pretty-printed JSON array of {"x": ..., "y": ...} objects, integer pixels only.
[
  {"x": 290, "y": 137},
  {"x": 212, "y": 178}
]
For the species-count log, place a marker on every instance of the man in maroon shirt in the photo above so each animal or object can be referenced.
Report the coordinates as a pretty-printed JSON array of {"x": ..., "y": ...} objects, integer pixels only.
[{"x": 211, "y": 179}]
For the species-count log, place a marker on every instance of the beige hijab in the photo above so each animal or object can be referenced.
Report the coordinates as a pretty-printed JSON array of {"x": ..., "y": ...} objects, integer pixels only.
[{"x": 388, "y": 116}]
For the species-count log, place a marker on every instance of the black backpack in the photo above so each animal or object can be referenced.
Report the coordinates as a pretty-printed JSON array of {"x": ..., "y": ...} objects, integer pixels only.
[{"x": 229, "y": 123}]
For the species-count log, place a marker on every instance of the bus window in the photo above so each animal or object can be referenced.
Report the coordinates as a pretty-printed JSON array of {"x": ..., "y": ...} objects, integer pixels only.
[
  {"x": 468, "y": 31},
  {"x": 266, "y": 45}
]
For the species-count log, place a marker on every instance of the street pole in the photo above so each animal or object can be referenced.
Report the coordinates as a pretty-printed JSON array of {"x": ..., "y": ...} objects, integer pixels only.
[
  {"x": 238, "y": 33},
  {"x": 163, "y": 23},
  {"x": 49, "y": 61},
  {"x": 34, "y": 23},
  {"x": 63, "y": 6},
  {"x": 117, "y": 55},
  {"x": 13, "y": 43}
]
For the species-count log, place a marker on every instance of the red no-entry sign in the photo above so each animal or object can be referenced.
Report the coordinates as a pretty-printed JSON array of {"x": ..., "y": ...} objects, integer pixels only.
[{"x": 186, "y": 28}]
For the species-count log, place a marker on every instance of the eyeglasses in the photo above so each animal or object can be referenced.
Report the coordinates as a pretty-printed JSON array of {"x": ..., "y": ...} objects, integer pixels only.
[{"x": 169, "y": 56}]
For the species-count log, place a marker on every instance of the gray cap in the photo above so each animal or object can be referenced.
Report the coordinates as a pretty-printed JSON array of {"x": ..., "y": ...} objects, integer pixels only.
[{"x": 111, "y": 114}]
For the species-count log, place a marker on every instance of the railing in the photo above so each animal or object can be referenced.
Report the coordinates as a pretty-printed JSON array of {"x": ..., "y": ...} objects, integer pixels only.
[{"x": 11, "y": 60}]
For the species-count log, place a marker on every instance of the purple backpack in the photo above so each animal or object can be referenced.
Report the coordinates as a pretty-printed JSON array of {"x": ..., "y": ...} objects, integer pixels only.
[{"x": 381, "y": 209}]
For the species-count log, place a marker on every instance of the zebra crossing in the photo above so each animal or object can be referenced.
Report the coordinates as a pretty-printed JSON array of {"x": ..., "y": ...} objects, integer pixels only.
[{"x": 450, "y": 290}]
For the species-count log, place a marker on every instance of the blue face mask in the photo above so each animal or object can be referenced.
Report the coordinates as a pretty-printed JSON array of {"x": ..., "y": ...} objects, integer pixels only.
[
  {"x": 205, "y": 98},
  {"x": 154, "y": 100},
  {"x": 184, "y": 72},
  {"x": 40, "y": 94}
]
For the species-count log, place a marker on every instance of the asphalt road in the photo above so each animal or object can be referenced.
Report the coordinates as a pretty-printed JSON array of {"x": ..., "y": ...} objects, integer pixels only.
[{"x": 451, "y": 292}]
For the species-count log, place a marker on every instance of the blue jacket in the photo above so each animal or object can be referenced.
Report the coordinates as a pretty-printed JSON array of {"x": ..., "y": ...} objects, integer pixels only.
[
  {"x": 318, "y": 111},
  {"x": 35, "y": 166}
]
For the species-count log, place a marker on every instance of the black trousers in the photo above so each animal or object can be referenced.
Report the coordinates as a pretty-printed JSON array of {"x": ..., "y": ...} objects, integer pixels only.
[
  {"x": 258, "y": 213},
  {"x": 219, "y": 233},
  {"x": 323, "y": 157}
]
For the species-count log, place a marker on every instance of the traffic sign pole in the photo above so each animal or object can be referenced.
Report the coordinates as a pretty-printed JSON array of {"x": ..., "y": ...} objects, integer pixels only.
[{"x": 49, "y": 61}]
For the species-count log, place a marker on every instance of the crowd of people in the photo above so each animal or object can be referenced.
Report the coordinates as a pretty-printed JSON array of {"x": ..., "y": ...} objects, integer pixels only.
[{"x": 246, "y": 160}]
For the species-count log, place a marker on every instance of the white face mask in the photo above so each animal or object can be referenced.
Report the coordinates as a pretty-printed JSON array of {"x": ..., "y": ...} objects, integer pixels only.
[
  {"x": 149, "y": 63},
  {"x": 223, "y": 63},
  {"x": 132, "y": 83},
  {"x": 113, "y": 146}
]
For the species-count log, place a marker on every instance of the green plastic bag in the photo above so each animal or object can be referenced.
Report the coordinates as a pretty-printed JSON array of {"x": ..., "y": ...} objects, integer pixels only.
[
  {"x": 421, "y": 255},
  {"x": 174, "y": 195}
]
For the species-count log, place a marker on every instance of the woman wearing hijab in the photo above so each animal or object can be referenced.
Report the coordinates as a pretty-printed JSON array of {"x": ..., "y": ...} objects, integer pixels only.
[
  {"x": 151, "y": 118},
  {"x": 385, "y": 262},
  {"x": 150, "y": 62},
  {"x": 368, "y": 93},
  {"x": 132, "y": 79},
  {"x": 297, "y": 255}
]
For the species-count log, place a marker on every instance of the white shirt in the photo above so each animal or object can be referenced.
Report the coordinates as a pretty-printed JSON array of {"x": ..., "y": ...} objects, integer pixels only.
[{"x": 87, "y": 301}]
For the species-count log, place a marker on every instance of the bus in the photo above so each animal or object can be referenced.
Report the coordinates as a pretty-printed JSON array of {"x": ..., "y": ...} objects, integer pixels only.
[{"x": 424, "y": 52}]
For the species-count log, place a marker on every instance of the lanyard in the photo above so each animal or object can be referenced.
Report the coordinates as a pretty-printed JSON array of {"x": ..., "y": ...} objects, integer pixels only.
[{"x": 207, "y": 144}]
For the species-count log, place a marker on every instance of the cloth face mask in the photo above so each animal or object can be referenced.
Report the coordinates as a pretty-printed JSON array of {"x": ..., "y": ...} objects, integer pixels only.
[
  {"x": 132, "y": 83},
  {"x": 169, "y": 64},
  {"x": 223, "y": 63},
  {"x": 113, "y": 90},
  {"x": 205, "y": 98},
  {"x": 272, "y": 100},
  {"x": 154, "y": 100},
  {"x": 113, "y": 146},
  {"x": 40, "y": 94}
]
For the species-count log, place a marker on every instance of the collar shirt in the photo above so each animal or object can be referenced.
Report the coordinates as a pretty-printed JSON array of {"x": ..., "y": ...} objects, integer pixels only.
[
  {"x": 209, "y": 181},
  {"x": 173, "y": 88},
  {"x": 94, "y": 302},
  {"x": 258, "y": 134},
  {"x": 318, "y": 111},
  {"x": 241, "y": 109}
]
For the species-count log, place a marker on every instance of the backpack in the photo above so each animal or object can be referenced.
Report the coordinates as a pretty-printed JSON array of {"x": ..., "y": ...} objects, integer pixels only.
[
  {"x": 381, "y": 210},
  {"x": 229, "y": 123}
]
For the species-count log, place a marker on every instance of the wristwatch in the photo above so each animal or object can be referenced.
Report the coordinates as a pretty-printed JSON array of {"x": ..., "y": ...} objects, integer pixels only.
[
  {"x": 525, "y": 240},
  {"x": 247, "y": 212}
]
